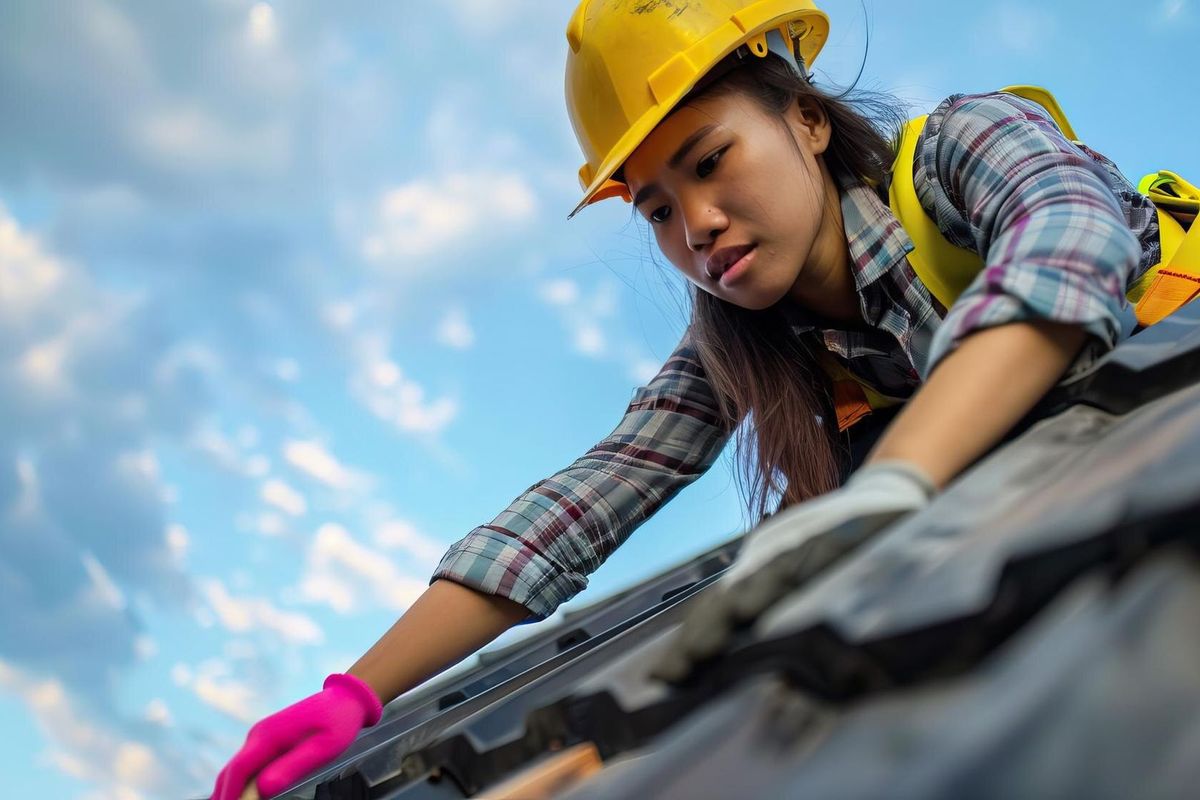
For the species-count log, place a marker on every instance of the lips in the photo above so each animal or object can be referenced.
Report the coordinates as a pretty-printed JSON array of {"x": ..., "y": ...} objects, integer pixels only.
[{"x": 725, "y": 258}]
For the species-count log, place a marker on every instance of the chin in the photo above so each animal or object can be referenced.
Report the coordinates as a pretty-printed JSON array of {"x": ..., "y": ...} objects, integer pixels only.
[{"x": 754, "y": 302}]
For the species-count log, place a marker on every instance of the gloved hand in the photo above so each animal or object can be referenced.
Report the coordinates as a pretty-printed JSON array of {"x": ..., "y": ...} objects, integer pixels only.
[
  {"x": 284, "y": 747},
  {"x": 787, "y": 550}
]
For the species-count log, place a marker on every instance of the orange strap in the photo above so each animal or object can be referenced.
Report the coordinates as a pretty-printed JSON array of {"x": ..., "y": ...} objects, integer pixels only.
[
  {"x": 1178, "y": 280},
  {"x": 1168, "y": 293},
  {"x": 850, "y": 403}
]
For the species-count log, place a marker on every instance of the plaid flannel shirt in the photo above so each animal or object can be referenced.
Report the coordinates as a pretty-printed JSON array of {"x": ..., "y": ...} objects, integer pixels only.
[{"x": 1063, "y": 233}]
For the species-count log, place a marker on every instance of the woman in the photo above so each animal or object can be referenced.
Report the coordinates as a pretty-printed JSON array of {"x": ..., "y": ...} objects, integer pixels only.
[{"x": 769, "y": 196}]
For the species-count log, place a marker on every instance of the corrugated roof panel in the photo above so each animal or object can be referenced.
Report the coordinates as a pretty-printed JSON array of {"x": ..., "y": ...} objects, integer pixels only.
[{"x": 1098, "y": 698}]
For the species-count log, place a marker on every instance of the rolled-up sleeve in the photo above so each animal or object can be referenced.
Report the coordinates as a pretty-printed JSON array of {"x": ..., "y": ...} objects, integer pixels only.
[
  {"x": 539, "y": 551},
  {"x": 1039, "y": 210}
]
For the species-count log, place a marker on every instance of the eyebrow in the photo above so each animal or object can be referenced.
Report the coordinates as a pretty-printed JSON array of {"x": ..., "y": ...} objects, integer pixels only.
[{"x": 675, "y": 160}]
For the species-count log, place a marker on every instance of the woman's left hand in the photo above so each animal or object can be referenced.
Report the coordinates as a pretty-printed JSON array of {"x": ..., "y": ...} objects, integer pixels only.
[{"x": 784, "y": 552}]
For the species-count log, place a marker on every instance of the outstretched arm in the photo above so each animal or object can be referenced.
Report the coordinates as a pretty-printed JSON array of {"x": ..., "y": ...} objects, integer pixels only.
[
  {"x": 977, "y": 394},
  {"x": 445, "y": 625},
  {"x": 539, "y": 551}
]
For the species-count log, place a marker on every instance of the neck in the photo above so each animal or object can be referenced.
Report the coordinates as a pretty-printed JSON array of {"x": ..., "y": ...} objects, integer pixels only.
[{"x": 826, "y": 283}]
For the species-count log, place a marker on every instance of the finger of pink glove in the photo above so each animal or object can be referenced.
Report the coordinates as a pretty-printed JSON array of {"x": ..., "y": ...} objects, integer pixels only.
[
  {"x": 308, "y": 756},
  {"x": 218, "y": 793},
  {"x": 262, "y": 745}
]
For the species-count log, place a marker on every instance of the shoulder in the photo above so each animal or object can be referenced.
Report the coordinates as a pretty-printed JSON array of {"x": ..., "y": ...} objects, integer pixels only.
[
  {"x": 970, "y": 147},
  {"x": 997, "y": 126},
  {"x": 959, "y": 113}
]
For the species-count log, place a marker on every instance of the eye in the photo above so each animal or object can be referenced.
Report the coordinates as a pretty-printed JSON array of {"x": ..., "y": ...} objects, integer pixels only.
[
  {"x": 660, "y": 215},
  {"x": 708, "y": 164}
]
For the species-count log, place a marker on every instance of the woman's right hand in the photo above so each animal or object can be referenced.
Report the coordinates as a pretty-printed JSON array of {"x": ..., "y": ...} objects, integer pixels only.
[{"x": 288, "y": 745}]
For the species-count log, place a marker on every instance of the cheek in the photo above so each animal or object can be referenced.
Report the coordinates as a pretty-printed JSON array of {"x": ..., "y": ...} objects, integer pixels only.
[{"x": 671, "y": 244}]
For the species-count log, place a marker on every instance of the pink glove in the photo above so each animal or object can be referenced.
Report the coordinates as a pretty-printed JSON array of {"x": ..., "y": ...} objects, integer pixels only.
[{"x": 284, "y": 747}]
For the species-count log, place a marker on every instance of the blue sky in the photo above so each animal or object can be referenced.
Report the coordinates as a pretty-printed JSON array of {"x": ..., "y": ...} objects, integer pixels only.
[{"x": 289, "y": 303}]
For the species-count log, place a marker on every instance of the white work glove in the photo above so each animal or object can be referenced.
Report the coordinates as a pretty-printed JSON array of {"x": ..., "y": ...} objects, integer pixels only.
[{"x": 787, "y": 550}]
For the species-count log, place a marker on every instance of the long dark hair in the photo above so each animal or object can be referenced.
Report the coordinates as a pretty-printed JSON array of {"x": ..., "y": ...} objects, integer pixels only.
[{"x": 789, "y": 447}]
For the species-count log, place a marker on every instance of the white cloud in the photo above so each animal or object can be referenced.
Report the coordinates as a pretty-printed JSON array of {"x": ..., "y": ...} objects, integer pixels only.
[
  {"x": 188, "y": 355},
  {"x": 117, "y": 43},
  {"x": 490, "y": 17},
  {"x": 376, "y": 380},
  {"x": 340, "y": 314},
  {"x": 344, "y": 574},
  {"x": 559, "y": 292},
  {"x": 231, "y": 453},
  {"x": 588, "y": 317},
  {"x": 643, "y": 370},
  {"x": 258, "y": 466},
  {"x": 28, "y": 276},
  {"x": 582, "y": 314},
  {"x": 90, "y": 749},
  {"x": 457, "y": 126},
  {"x": 287, "y": 370},
  {"x": 132, "y": 408},
  {"x": 181, "y": 674},
  {"x": 211, "y": 685},
  {"x": 277, "y": 493},
  {"x": 141, "y": 464},
  {"x": 315, "y": 461},
  {"x": 103, "y": 589},
  {"x": 46, "y": 361},
  {"x": 1170, "y": 9},
  {"x": 261, "y": 24},
  {"x": 178, "y": 541},
  {"x": 185, "y": 137},
  {"x": 380, "y": 385},
  {"x": 404, "y": 406},
  {"x": 589, "y": 340},
  {"x": 477, "y": 10},
  {"x": 48, "y": 312},
  {"x": 157, "y": 713},
  {"x": 270, "y": 524},
  {"x": 146, "y": 647},
  {"x": 42, "y": 365},
  {"x": 256, "y": 614},
  {"x": 204, "y": 618},
  {"x": 1019, "y": 27},
  {"x": 454, "y": 330},
  {"x": 86, "y": 510},
  {"x": 247, "y": 436},
  {"x": 398, "y": 534},
  {"x": 28, "y": 502},
  {"x": 427, "y": 216},
  {"x": 240, "y": 649},
  {"x": 385, "y": 374}
]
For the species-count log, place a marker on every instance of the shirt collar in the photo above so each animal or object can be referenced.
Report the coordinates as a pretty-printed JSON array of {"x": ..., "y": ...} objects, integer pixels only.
[{"x": 875, "y": 237}]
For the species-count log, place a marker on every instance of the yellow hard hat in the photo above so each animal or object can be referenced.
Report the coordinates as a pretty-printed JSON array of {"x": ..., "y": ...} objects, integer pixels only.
[{"x": 631, "y": 61}]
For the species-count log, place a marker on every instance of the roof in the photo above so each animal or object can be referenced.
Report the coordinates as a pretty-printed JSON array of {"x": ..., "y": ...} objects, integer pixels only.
[{"x": 1034, "y": 632}]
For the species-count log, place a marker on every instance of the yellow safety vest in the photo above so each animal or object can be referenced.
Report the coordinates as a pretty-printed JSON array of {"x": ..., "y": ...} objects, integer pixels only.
[{"x": 946, "y": 270}]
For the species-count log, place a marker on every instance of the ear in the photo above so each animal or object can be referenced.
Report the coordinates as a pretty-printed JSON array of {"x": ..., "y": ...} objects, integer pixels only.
[{"x": 810, "y": 124}]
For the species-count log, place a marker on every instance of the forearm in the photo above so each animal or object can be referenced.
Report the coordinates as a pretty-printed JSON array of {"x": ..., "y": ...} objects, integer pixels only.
[
  {"x": 447, "y": 623},
  {"x": 976, "y": 394}
]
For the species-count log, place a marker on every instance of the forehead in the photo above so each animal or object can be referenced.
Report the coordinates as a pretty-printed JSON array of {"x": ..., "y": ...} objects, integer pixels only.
[{"x": 730, "y": 111}]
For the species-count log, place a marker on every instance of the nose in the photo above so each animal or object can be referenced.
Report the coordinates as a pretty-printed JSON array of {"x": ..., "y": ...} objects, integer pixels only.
[{"x": 703, "y": 222}]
